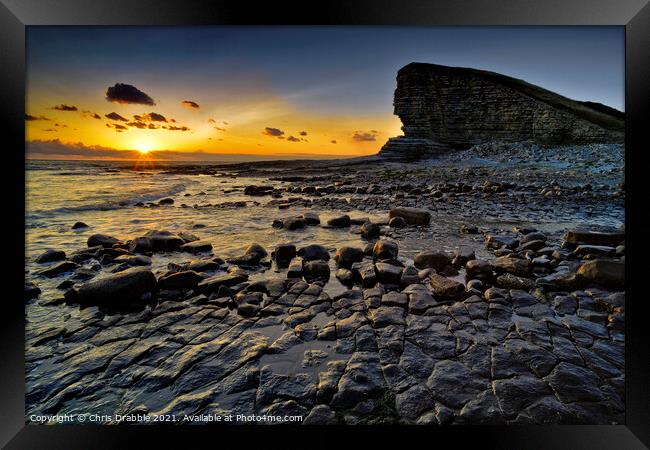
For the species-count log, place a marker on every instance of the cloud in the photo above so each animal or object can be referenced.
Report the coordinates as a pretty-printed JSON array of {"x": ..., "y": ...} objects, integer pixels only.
[
  {"x": 365, "y": 136},
  {"x": 126, "y": 93},
  {"x": 333, "y": 141},
  {"x": 190, "y": 104},
  {"x": 91, "y": 114},
  {"x": 173, "y": 128},
  {"x": 211, "y": 120},
  {"x": 152, "y": 117},
  {"x": 140, "y": 125},
  {"x": 303, "y": 133},
  {"x": 63, "y": 107},
  {"x": 117, "y": 127},
  {"x": 275, "y": 132},
  {"x": 219, "y": 129},
  {"x": 293, "y": 139},
  {"x": 116, "y": 116},
  {"x": 29, "y": 117}
]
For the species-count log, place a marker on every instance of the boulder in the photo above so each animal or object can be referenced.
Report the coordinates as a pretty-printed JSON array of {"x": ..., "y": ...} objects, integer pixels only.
[
  {"x": 576, "y": 237},
  {"x": 257, "y": 249},
  {"x": 370, "y": 230},
  {"x": 187, "y": 279},
  {"x": 445, "y": 288},
  {"x": 79, "y": 225},
  {"x": 603, "y": 272},
  {"x": 310, "y": 218},
  {"x": 50, "y": 256},
  {"x": 316, "y": 270},
  {"x": 412, "y": 216},
  {"x": 163, "y": 240},
  {"x": 283, "y": 254},
  {"x": 479, "y": 269},
  {"x": 397, "y": 222},
  {"x": 140, "y": 244},
  {"x": 385, "y": 250},
  {"x": 388, "y": 273},
  {"x": 339, "y": 222},
  {"x": 431, "y": 260},
  {"x": 516, "y": 266},
  {"x": 194, "y": 247},
  {"x": 213, "y": 283},
  {"x": 101, "y": 240},
  {"x": 314, "y": 251},
  {"x": 58, "y": 269},
  {"x": 346, "y": 256},
  {"x": 118, "y": 289}
]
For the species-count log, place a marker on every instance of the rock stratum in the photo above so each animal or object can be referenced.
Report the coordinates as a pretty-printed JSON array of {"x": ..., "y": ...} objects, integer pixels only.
[{"x": 443, "y": 108}]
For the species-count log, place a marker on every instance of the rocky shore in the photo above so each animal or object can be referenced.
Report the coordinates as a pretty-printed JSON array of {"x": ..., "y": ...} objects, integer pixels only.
[{"x": 525, "y": 326}]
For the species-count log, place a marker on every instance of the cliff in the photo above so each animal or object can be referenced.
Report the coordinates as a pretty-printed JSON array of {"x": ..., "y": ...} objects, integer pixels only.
[{"x": 444, "y": 108}]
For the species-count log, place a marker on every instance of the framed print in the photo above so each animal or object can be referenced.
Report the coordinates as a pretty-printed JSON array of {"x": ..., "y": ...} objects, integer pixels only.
[{"x": 387, "y": 219}]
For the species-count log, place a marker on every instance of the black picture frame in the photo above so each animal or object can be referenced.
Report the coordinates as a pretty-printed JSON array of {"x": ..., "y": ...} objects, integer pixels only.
[{"x": 15, "y": 15}]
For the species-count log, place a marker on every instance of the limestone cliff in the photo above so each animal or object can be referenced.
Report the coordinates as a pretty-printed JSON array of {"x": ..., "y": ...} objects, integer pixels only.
[{"x": 450, "y": 107}]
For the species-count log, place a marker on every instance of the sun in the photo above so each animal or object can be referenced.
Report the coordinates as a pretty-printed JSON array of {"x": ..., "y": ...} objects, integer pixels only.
[{"x": 143, "y": 146}]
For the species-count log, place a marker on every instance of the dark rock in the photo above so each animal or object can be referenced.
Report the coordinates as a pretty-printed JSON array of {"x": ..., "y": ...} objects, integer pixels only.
[
  {"x": 314, "y": 251},
  {"x": 479, "y": 269},
  {"x": 31, "y": 290},
  {"x": 283, "y": 254},
  {"x": 320, "y": 415},
  {"x": 499, "y": 241},
  {"x": 510, "y": 281},
  {"x": 258, "y": 190},
  {"x": 122, "y": 288},
  {"x": 576, "y": 237},
  {"x": 316, "y": 270},
  {"x": 256, "y": 249},
  {"x": 397, "y": 222},
  {"x": 516, "y": 266},
  {"x": 101, "y": 240},
  {"x": 445, "y": 288},
  {"x": 58, "y": 269},
  {"x": 200, "y": 246},
  {"x": 431, "y": 260},
  {"x": 166, "y": 201},
  {"x": 573, "y": 383},
  {"x": 345, "y": 276},
  {"x": 339, "y": 222},
  {"x": 385, "y": 250},
  {"x": 295, "y": 269},
  {"x": 453, "y": 384},
  {"x": 311, "y": 218},
  {"x": 409, "y": 276},
  {"x": 346, "y": 256},
  {"x": 214, "y": 282},
  {"x": 388, "y": 273},
  {"x": 162, "y": 240},
  {"x": 603, "y": 272},
  {"x": 180, "y": 280},
  {"x": 133, "y": 260},
  {"x": 78, "y": 225},
  {"x": 412, "y": 216},
  {"x": 370, "y": 230},
  {"x": 141, "y": 244},
  {"x": 50, "y": 255}
]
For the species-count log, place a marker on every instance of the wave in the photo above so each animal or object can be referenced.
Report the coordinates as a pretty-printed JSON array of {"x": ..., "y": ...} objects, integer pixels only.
[{"x": 107, "y": 205}]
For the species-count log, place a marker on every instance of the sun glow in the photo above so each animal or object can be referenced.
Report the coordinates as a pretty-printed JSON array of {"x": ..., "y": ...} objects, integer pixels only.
[{"x": 143, "y": 146}]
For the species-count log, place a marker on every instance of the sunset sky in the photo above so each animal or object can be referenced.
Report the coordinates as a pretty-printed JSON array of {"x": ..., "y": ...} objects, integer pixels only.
[{"x": 274, "y": 91}]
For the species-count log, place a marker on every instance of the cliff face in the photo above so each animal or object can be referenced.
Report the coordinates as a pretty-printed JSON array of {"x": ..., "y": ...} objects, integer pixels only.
[{"x": 448, "y": 107}]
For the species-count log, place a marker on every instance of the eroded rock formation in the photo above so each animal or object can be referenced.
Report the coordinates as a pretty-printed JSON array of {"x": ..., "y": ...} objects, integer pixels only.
[{"x": 449, "y": 107}]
